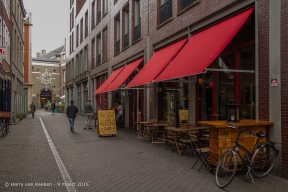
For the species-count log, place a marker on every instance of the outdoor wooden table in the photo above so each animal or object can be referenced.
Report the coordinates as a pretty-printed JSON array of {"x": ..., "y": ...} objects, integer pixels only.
[
  {"x": 154, "y": 131},
  {"x": 141, "y": 130},
  {"x": 222, "y": 136},
  {"x": 175, "y": 134}
]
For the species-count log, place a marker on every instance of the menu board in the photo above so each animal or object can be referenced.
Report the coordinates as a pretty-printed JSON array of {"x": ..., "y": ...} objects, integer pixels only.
[
  {"x": 183, "y": 115},
  {"x": 106, "y": 122}
]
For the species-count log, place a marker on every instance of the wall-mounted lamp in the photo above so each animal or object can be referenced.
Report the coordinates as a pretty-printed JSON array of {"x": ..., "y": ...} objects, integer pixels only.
[{"x": 54, "y": 70}]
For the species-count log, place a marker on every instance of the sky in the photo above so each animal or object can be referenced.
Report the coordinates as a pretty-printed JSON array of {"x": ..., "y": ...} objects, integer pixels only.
[{"x": 50, "y": 20}]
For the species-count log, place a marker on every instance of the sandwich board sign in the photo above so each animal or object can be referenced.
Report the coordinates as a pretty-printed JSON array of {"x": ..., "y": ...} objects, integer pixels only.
[{"x": 106, "y": 122}]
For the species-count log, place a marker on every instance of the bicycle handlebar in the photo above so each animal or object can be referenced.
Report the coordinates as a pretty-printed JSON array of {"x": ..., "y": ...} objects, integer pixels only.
[{"x": 236, "y": 127}]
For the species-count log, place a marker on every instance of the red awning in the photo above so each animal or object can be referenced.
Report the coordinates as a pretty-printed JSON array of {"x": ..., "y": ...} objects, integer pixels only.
[
  {"x": 127, "y": 71},
  {"x": 203, "y": 48},
  {"x": 156, "y": 64},
  {"x": 109, "y": 80}
]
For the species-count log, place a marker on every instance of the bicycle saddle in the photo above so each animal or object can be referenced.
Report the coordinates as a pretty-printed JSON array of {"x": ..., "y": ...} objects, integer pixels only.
[{"x": 261, "y": 134}]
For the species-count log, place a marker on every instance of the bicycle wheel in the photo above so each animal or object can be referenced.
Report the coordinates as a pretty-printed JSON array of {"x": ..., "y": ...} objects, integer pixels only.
[
  {"x": 7, "y": 123},
  {"x": 263, "y": 160},
  {"x": 2, "y": 129},
  {"x": 226, "y": 169}
]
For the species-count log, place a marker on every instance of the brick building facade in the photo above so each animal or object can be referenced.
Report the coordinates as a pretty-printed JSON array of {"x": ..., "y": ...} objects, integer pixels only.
[{"x": 138, "y": 29}]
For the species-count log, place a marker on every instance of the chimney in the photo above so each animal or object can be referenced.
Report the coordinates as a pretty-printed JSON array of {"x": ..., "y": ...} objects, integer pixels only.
[
  {"x": 43, "y": 51},
  {"x": 38, "y": 54}
]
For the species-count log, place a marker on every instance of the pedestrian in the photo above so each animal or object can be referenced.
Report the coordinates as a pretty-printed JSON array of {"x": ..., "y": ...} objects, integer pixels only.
[
  {"x": 33, "y": 109},
  {"x": 88, "y": 109},
  {"x": 71, "y": 111},
  {"x": 119, "y": 109},
  {"x": 53, "y": 107}
]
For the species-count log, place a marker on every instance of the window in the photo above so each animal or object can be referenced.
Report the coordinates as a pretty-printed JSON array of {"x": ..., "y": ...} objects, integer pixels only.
[
  {"x": 105, "y": 45},
  {"x": 185, "y": 3},
  {"x": 72, "y": 41},
  {"x": 105, "y": 7},
  {"x": 117, "y": 34},
  {"x": 77, "y": 35},
  {"x": 4, "y": 34},
  {"x": 93, "y": 15},
  {"x": 98, "y": 11},
  {"x": 98, "y": 49},
  {"x": 85, "y": 59},
  {"x": 165, "y": 10},
  {"x": 136, "y": 20},
  {"x": 73, "y": 17},
  {"x": 71, "y": 3},
  {"x": 126, "y": 26},
  {"x": 81, "y": 30},
  {"x": 70, "y": 44},
  {"x": 93, "y": 53},
  {"x": 86, "y": 23},
  {"x": 64, "y": 75}
]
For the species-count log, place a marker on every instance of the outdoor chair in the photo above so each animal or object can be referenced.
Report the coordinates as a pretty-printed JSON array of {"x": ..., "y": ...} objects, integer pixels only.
[{"x": 202, "y": 152}]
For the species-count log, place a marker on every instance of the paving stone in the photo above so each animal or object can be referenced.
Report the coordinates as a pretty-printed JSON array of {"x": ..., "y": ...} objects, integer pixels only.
[{"x": 119, "y": 163}]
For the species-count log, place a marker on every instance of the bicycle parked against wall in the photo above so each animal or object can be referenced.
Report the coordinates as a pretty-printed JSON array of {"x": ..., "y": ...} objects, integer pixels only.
[
  {"x": 260, "y": 161},
  {"x": 4, "y": 126}
]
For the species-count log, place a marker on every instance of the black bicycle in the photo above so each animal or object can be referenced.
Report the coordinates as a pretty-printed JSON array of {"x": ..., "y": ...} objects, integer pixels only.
[
  {"x": 260, "y": 161},
  {"x": 4, "y": 126}
]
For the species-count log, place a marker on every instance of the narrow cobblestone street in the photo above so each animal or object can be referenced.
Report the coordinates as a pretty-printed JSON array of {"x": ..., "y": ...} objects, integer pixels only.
[{"x": 93, "y": 163}]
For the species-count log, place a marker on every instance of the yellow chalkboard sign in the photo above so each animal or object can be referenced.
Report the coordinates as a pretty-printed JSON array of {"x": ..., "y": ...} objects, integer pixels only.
[
  {"x": 183, "y": 115},
  {"x": 106, "y": 123}
]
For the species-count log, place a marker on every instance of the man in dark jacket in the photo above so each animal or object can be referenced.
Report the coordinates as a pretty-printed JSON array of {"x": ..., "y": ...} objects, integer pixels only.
[
  {"x": 71, "y": 114},
  {"x": 53, "y": 107}
]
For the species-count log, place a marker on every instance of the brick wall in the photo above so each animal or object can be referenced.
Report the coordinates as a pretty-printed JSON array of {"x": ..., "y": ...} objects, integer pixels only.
[
  {"x": 263, "y": 65},
  {"x": 284, "y": 88}
]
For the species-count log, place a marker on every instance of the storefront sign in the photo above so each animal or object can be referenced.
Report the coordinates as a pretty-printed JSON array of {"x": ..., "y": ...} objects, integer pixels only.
[{"x": 106, "y": 122}]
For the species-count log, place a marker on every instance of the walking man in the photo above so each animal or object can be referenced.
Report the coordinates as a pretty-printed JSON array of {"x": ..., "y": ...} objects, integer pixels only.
[
  {"x": 71, "y": 111},
  {"x": 53, "y": 107},
  {"x": 119, "y": 109},
  {"x": 88, "y": 109},
  {"x": 33, "y": 109}
]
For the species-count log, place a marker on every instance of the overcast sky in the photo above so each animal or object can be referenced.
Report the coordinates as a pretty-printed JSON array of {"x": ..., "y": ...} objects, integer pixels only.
[{"x": 50, "y": 19}]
